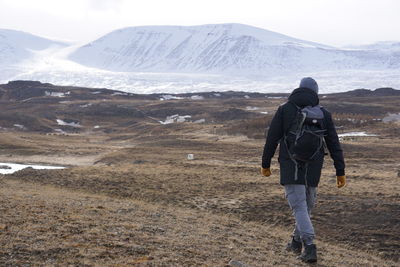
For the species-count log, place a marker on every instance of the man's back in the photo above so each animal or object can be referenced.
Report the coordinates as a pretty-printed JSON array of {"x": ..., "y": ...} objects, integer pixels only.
[
  {"x": 286, "y": 113},
  {"x": 301, "y": 177}
]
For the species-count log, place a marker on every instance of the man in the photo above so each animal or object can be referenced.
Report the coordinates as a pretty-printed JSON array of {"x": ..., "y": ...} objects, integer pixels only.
[{"x": 299, "y": 178}]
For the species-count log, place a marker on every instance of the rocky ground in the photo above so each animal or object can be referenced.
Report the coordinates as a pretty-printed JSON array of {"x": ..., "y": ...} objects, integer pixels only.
[{"x": 130, "y": 197}]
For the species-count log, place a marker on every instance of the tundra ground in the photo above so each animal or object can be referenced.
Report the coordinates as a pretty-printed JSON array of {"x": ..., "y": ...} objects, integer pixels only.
[{"x": 130, "y": 197}]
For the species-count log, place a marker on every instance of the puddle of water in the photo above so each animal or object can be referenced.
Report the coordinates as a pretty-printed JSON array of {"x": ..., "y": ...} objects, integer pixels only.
[{"x": 8, "y": 168}]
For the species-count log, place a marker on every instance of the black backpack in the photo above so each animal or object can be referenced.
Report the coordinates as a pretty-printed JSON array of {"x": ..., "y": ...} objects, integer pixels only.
[{"x": 305, "y": 137}]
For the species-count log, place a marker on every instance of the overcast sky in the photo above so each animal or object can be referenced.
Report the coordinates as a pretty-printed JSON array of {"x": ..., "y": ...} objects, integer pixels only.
[{"x": 332, "y": 22}]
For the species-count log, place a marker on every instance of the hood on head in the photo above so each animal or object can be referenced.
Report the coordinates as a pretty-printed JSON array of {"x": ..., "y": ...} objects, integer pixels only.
[
  {"x": 303, "y": 97},
  {"x": 310, "y": 83}
]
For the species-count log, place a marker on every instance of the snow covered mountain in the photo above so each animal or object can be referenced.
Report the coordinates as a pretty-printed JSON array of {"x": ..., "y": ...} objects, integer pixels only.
[
  {"x": 386, "y": 45},
  {"x": 16, "y": 46},
  {"x": 223, "y": 49},
  {"x": 172, "y": 59}
]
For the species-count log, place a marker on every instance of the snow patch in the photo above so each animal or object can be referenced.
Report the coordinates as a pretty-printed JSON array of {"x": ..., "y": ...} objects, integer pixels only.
[
  {"x": 252, "y": 108},
  {"x": 8, "y": 168},
  {"x": 175, "y": 119},
  {"x": 85, "y": 105},
  {"x": 72, "y": 124},
  {"x": 170, "y": 97},
  {"x": 197, "y": 97},
  {"x": 200, "y": 121},
  {"x": 59, "y": 131},
  {"x": 119, "y": 93},
  {"x": 355, "y": 134},
  {"x": 56, "y": 94},
  {"x": 392, "y": 117},
  {"x": 22, "y": 127}
]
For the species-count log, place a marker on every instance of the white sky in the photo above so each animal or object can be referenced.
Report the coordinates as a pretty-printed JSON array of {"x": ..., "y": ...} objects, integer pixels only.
[{"x": 332, "y": 22}]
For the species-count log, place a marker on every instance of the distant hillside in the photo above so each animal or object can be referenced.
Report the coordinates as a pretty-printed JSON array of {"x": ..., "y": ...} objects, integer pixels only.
[
  {"x": 16, "y": 46},
  {"x": 23, "y": 90},
  {"x": 367, "y": 92},
  {"x": 182, "y": 59},
  {"x": 222, "y": 48}
]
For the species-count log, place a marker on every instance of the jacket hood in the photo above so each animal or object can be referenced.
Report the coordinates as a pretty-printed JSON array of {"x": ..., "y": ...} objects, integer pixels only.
[
  {"x": 303, "y": 97},
  {"x": 309, "y": 82}
]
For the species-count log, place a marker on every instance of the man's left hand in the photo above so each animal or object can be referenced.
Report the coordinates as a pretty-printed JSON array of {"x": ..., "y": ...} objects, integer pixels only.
[
  {"x": 341, "y": 181},
  {"x": 266, "y": 172}
]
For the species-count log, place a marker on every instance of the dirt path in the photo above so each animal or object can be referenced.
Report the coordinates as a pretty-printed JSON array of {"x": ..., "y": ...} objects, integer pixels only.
[{"x": 45, "y": 225}]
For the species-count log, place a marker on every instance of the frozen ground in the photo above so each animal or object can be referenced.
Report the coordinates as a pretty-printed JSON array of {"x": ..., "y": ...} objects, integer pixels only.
[{"x": 52, "y": 66}]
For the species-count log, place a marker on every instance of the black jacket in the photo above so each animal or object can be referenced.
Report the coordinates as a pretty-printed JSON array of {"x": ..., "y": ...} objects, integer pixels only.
[{"x": 281, "y": 122}]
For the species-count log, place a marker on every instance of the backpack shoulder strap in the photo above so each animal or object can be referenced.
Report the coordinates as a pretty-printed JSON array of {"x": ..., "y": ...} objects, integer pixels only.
[
  {"x": 326, "y": 113},
  {"x": 291, "y": 102},
  {"x": 294, "y": 120}
]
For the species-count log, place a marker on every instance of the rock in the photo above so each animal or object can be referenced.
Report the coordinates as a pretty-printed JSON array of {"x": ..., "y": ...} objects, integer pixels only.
[
  {"x": 236, "y": 263},
  {"x": 5, "y": 167}
]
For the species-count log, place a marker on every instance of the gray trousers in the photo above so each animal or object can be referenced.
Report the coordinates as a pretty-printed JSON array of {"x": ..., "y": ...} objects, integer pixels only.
[{"x": 302, "y": 200}]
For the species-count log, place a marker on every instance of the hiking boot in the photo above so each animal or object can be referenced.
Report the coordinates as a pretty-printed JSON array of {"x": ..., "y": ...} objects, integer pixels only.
[
  {"x": 294, "y": 246},
  {"x": 309, "y": 254}
]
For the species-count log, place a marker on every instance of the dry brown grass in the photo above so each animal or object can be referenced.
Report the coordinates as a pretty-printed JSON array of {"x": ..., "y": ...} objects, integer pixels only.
[
  {"x": 43, "y": 225},
  {"x": 145, "y": 204},
  {"x": 224, "y": 181},
  {"x": 253, "y": 128}
]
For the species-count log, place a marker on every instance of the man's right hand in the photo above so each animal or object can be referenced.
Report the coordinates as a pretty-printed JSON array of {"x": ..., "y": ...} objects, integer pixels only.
[{"x": 266, "y": 171}]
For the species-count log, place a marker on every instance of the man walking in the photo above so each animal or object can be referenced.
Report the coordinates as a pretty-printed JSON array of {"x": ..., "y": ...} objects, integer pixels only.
[{"x": 301, "y": 158}]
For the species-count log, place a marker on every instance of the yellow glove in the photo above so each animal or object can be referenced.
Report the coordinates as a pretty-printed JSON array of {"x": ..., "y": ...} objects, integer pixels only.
[
  {"x": 265, "y": 171},
  {"x": 341, "y": 181}
]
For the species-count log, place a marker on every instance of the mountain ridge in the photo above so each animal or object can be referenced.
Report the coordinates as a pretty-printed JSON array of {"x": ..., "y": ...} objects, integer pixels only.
[
  {"x": 220, "y": 57},
  {"x": 16, "y": 46},
  {"x": 222, "y": 49}
]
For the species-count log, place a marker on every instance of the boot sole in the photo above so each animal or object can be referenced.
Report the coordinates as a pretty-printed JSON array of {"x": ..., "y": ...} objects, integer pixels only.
[
  {"x": 310, "y": 261},
  {"x": 297, "y": 252}
]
